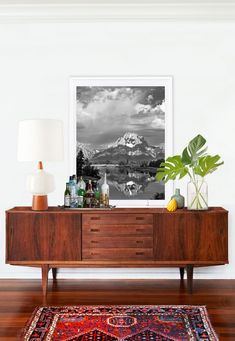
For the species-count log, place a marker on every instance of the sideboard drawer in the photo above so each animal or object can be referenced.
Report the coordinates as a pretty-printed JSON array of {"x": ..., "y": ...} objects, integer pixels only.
[
  {"x": 112, "y": 254},
  {"x": 117, "y": 242},
  {"x": 117, "y": 219},
  {"x": 116, "y": 230}
]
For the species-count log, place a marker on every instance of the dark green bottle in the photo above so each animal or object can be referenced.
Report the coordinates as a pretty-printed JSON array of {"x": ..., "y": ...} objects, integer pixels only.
[{"x": 67, "y": 196}]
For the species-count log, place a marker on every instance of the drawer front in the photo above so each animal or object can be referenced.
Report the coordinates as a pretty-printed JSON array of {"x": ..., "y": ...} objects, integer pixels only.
[
  {"x": 116, "y": 230},
  {"x": 112, "y": 254},
  {"x": 117, "y": 219},
  {"x": 117, "y": 242},
  {"x": 113, "y": 237}
]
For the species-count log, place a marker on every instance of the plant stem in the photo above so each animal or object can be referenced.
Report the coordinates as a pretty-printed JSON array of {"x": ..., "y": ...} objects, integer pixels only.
[{"x": 198, "y": 195}]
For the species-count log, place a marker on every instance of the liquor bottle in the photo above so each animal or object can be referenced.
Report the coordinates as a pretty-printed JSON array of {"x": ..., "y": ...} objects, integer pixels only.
[
  {"x": 89, "y": 196},
  {"x": 97, "y": 194},
  {"x": 67, "y": 196},
  {"x": 81, "y": 184},
  {"x": 105, "y": 192},
  {"x": 73, "y": 191},
  {"x": 81, "y": 191}
]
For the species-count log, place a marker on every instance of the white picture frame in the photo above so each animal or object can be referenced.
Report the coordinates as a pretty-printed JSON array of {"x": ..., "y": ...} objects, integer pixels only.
[{"x": 161, "y": 81}]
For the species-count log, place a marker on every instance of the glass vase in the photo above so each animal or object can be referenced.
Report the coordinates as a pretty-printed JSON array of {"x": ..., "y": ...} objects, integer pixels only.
[{"x": 197, "y": 194}]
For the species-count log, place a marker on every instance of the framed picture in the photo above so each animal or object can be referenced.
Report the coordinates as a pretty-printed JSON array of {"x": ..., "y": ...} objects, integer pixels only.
[{"x": 122, "y": 127}]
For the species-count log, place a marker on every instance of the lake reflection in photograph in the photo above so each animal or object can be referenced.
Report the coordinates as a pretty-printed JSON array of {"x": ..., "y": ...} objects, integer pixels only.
[{"x": 127, "y": 184}]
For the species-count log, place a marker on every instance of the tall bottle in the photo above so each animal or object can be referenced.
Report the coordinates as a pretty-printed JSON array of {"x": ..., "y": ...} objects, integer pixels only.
[
  {"x": 81, "y": 184},
  {"x": 97, "y": 194},
  {"x": 81, "y": 191},
  {"x": 105, "y": 192},
  {"x": 67, "y": 196},
  {"x": 89, "y": 196},
  {"x": 73, "y": 191}
]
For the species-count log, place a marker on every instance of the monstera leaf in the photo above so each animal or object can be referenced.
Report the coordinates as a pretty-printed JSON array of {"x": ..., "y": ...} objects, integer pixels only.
[
  {"x": 194, "y": 151},
  {"x": 171, "y": 168},
  {"x": 193, "y": 161},
  {"x": 207, "y": 164}
]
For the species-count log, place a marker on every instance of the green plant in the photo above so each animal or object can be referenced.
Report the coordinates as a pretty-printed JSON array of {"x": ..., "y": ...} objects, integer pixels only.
[{"x": 194, "y": 161}]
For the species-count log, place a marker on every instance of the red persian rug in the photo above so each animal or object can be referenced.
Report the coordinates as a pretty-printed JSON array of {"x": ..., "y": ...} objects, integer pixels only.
[{"x": 119, "y": 323}]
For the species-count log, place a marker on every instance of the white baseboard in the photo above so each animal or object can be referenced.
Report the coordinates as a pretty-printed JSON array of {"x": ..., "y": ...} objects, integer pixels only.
[{"x": 133, "y": 273}]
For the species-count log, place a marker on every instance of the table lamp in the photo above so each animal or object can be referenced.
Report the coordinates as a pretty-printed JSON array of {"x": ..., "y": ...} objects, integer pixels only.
[{"x": 40, "y": 140}]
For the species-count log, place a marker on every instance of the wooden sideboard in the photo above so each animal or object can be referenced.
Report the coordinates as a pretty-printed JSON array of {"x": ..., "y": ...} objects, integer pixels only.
[{"x": 120, "y": 237}]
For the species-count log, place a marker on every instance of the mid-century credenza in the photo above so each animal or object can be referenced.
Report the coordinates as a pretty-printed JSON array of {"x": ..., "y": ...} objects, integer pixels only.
[{"x": 119, "y": 237}]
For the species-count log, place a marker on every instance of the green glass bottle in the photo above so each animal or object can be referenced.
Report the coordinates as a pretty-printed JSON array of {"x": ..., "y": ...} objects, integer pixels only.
[
  {"x": 81, "y": 193},
  {"x": 67, "y": 196},
  {"x": 97, "y": 195}
]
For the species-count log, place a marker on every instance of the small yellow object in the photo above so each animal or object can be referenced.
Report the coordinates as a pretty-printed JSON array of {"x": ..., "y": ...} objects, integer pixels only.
[{"x": 172, "y": 205}]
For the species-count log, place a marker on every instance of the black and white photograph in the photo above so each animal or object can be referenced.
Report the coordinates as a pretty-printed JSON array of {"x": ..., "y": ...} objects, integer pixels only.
[{"x": 121, "y": 131}]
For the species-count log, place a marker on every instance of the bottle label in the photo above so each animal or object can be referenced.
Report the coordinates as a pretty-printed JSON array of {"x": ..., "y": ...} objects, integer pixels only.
[
  {"x": 88, "y": 201},
  {"x": 67, "y": 201},
  {"x": 80, "y": 201}
]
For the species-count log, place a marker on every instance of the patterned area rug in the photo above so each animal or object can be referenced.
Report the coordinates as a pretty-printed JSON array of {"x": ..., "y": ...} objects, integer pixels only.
[{"x": 119, "y": 323}]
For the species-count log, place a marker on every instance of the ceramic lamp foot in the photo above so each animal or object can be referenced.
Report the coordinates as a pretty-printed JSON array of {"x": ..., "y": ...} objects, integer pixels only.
[{"x": 40, "y": 203}]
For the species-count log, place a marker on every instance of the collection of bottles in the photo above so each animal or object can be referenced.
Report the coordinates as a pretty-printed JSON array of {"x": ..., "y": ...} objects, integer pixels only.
[{"x": 80, "y": 194}]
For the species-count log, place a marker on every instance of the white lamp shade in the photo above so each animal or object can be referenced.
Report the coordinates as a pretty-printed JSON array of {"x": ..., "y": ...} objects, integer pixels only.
[
  {"x": 40, "y": 183},
  {"x": 40, "y": 140}
]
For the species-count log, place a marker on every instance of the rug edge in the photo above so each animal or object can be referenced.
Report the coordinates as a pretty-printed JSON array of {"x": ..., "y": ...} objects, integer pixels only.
[
  {"x": 208, "y": 321},
  {"x": 23, "y": 331}
]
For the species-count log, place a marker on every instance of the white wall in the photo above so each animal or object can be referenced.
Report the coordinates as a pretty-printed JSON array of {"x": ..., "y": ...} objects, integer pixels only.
[{"x": 36, "y": 61}]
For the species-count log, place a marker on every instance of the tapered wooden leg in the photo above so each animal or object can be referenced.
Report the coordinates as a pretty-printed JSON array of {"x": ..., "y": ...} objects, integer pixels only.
[
  {"x": 54, "y": 273},
  {"x": 45, "y": 269},
  {"x": 190, "y": 278},
  {"x": 181, "y": 273}
]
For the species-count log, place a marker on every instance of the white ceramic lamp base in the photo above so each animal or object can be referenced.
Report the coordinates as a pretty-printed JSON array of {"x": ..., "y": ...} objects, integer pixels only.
[{"x": 40, "y": 184}]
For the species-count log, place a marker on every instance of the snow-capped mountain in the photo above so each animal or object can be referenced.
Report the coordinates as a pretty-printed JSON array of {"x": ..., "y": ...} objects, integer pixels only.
[
  {"x": 128, "y": 148},
  {"x": 129, "y": 140}
]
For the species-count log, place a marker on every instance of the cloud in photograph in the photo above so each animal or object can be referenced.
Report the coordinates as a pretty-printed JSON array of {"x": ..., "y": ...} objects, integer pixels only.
[{"x": 105, "y": 113}]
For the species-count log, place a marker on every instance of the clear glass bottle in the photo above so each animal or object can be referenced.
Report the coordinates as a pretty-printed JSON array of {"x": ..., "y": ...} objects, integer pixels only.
[
  {"x": 197, "y": 190},
  {"x": 81, "y": 184},
  {"x": 73, "y": 191},
  {"x": 105, "y": 192}
]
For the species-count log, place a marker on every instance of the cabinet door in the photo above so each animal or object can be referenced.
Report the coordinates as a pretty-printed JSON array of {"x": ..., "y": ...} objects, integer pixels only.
[
  {"x": 43, "y": 237},
  {"x": 191, "y": 236}
]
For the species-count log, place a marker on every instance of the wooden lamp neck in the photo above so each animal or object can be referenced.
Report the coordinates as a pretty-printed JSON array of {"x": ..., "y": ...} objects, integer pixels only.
[
  {"x": 40, "y": 165},
  {"x": 40, "y": 201}
]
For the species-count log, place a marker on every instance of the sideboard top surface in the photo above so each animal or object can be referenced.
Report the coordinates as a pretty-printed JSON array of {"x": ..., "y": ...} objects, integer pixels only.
[{"x": 54, "y": 209}]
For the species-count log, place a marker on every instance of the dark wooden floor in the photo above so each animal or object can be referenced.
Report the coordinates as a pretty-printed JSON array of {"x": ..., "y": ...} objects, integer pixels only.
[{"x": 18, "y": 298}]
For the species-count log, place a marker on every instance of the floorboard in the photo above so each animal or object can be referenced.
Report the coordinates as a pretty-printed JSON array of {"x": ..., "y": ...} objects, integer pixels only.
[{"x": 18, "y": 299}]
